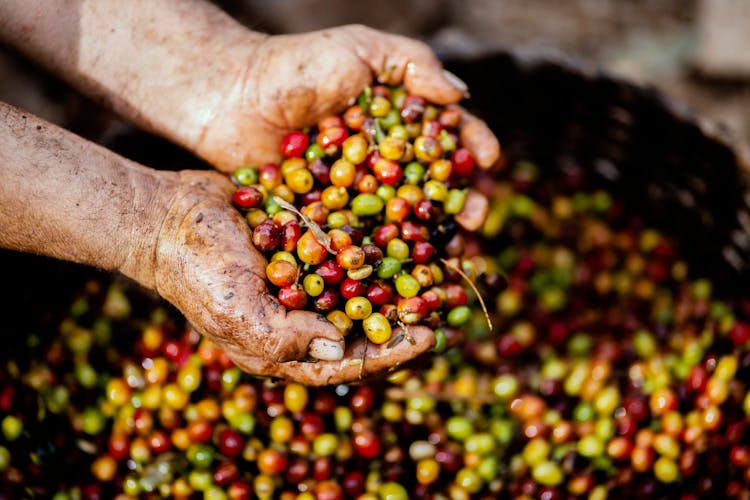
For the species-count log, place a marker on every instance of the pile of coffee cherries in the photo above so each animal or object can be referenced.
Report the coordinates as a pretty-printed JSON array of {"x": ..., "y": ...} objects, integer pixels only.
[
  {"x": 356, "y": 219},
  {"x": 611, "y": 373}
]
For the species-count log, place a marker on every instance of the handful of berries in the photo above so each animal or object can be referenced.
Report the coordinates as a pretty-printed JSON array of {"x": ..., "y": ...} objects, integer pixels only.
[{"x": 356, "y": 220}]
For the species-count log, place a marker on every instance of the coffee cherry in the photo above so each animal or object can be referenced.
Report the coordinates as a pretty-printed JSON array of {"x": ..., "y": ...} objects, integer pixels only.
[
  {"x": 320, "y": 172},
  {"x": 327, "y": 300},
  {"x": 380, "y": 293},
  {"x": 414, "y": 173},
  {"x": 389, "y": 267},
  {"x": 384, "y": 234},
  {"x": 407, "y": 285},
  {"x": 299, "y": 181},
  {"x": 360, "y": 273},
  {"x": 397, "y": 249},
  {"x": 454, "y": 203},
  {"x": 392, "y": 148},
  {"x": 245, "y": 176},
  {"x": 354, "y": 116},
  {"x": 351, "y": 257},
  {"x": 293, "y": 297},
  {"x": 377, "y": 328},
  {"x": 332, "y": 138},
  {"x": 440, "y": 170},
  {"x": 413, "y": 232},
  {"x": 331, "y": 272},
  {"x": 294, "y": 144},
  {"x": 424, "y": 210},
  {"x": 270, "y": 176},
  {"x": 290, "y": 235},
  {"x": 281, "y": 273},
  {"x": 397, "y": 209},
  {"x": 248, "y": 197},
  {"x": 422, "y": 252},
  {"x": 358, "y": 308},
  {"x": 355, "y": 148},
  {"x": 330, "y": 121},
  {"x": 313, "y": 285},
  {"x": 231, "y": 442},
  {"x": 309, "y": 250},
  {"x": 351, "y": 288},
  {"x": 267, "y": 236},
  {"x": 427, "y": 149},
  {"x": 463, "y": 162},
  {"x": 411, "y": 310},
  {"x": 367, "y": 204},
  {"x": 341, "y": 321}
]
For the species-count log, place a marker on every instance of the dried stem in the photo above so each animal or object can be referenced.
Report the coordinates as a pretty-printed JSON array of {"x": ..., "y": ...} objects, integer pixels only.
[
  {"x": 317, "y": 231},
  {"x": 473, "y": 287}
]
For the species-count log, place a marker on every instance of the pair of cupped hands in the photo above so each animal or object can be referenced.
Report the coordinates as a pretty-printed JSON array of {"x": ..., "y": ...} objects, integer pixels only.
[{"x": 233, "y": 112}]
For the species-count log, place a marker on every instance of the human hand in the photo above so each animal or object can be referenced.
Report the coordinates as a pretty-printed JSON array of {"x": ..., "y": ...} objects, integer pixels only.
[
  {"x": 292, "y": 81},
  {"x": 207, "y": 267}
]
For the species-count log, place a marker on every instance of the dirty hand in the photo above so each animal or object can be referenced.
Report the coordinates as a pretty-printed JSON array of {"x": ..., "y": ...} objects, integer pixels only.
[
  {"x": 206, "y": 266},
  {"x": 292, "y": 81}
]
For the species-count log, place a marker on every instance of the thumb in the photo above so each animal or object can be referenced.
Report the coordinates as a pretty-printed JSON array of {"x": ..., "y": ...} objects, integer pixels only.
[
  {"x": 296, "y": 335},
  {"x": 362, "y": 360}
]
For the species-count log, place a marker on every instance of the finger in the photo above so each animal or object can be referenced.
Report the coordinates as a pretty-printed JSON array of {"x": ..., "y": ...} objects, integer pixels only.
[
  {"x": 477, "y": 137},
  {"x": 396, "y": 59},
  {"x": 208, "y": 182},
  {"x": 425, "y": 76},
  {"x": 295, "y": 335},
  {"x": 474, "y": 213},
  {"x": 362, "y": 360},
  {"x": 378, "y": 359}
]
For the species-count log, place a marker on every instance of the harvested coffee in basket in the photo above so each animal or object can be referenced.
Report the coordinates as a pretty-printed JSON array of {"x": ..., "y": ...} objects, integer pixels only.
[{"x": 619, "y": 367}]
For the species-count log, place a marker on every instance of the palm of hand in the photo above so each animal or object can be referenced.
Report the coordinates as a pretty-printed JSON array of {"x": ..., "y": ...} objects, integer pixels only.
[{"x": 275, "y": 94}]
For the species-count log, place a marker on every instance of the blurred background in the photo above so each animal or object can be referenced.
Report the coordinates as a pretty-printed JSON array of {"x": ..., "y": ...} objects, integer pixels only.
[{"x": 696, "y": 51}]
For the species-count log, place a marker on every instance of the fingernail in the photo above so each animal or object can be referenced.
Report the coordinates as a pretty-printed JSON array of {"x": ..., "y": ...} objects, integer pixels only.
[
  {"x": 326, "y": 350},
  {"x": 459, "y": 84},
  {"x": 475, "y": 211}
]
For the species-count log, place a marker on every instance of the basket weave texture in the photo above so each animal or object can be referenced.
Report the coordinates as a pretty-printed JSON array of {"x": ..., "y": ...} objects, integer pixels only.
[{"x": 684, "y": 176}]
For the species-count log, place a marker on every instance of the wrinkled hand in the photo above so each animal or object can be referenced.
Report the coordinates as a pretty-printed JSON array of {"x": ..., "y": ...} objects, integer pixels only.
[
  {"x": 291, "y": 81},
  {"x": 207, "y": 267}
]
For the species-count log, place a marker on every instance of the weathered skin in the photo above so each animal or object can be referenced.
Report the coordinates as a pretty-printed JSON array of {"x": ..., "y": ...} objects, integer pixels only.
[{"x": 187, "y": 71}]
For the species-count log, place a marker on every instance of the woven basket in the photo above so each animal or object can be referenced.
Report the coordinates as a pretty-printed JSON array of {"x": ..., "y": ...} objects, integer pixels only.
[{"x": 682, "y": 175}]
